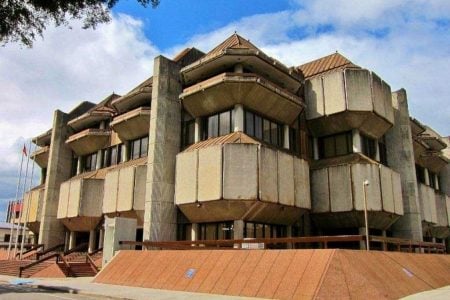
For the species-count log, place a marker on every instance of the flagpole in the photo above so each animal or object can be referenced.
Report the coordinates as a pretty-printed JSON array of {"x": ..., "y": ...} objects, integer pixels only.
[
  {"x": 15, "y": 203},
  {"x": 27, "y": 212},
  {"x": 23, "y": 193}
]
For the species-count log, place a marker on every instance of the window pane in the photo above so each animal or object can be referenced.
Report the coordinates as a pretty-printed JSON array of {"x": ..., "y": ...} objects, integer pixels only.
[
  {"x": 258, "y": 127},
  {"x": 135, "y": 148},
  {"x": 249, "y": 126},
  {"x": 225, "y": 123},
  {"x": 249, "y": 230},
  {"x": 93, "y": 161},
  {"x": 259, "y": 230},
  {"x": 274, "y": 133},
  {"x": 144, "y": 146},
  {"x": 328, "y": 147},
  {"x": 211, "y": 231},
  {"x": 190, "y": 133},
  {"x": 114, "y": 155},
  {"x": 266, "y": 130},
  {"x": 213, "y": 126},
  {"x": 341, "y": 144},
  {"x": 120, "y": 150}
]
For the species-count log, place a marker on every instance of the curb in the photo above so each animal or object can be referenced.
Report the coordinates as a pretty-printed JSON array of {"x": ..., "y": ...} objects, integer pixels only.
[{"x": 75, "y": 291}]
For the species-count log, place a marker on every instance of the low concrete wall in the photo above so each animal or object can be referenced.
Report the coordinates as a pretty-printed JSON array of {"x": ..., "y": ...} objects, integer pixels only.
[
  {"x": 427, "y": 200},
  {"x": 33, "y": 205}
]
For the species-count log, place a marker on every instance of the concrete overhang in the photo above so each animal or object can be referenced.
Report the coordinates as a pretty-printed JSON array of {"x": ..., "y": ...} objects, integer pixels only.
[
  {"x": 253, "y": 60},
  {"x": 225, "y": 90},
  {"x": 43, "y": 139},
  {"x": 89, "y": 140},
  {"x": 416, "y": 127},
  {"x": 88, "y": 119},
  {"x": 133, "y": 124},
  {"x": 433, "y": 142},
  {"x": 433, "y": 161},
  {"x": 134, "y": 99},
  {"x": 40, "y": 156}
]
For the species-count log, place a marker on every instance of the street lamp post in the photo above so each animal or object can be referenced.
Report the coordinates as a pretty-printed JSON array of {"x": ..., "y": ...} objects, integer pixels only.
[{"x": 366, "y": 222}]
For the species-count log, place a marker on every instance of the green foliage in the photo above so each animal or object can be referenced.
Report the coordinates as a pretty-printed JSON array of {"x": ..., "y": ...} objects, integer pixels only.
[{"x": 23, "y": 20}]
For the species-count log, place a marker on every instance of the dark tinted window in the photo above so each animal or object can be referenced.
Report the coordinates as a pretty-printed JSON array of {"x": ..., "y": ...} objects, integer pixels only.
[{"x": 335, "y": 145}]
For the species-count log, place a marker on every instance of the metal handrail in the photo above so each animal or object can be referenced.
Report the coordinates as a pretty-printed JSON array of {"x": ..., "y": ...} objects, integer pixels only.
[
  {"x": 33, "y": 247},
  {"x": 54, "y": 248},
  {"x": 78, "y": 248},
  {"x": 58, "y": 257},
  {"x": 92, "y": 263},
  {"x": 324, "y": 240},
  {"x": 96, "y": 251}
]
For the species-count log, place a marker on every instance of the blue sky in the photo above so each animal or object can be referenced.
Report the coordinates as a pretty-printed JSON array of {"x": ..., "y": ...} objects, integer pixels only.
[{"x": 406, "y": 42}]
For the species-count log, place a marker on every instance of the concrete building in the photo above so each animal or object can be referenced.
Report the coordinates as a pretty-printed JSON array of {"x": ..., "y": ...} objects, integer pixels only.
[{"x": 234, "y": 144}]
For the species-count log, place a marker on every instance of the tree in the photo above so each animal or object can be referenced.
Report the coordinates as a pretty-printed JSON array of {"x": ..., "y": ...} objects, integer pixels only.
[{"x": 22, "y": 20}]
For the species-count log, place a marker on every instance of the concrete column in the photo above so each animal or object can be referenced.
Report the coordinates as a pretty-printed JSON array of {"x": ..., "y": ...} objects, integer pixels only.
[
  {"x": 194, "y": 232},
  {"x": 427, "y": 176},
  {"x": 160, "y": 217},
  {"x": 43, "y": 175},
  {"x": 400, "y": 156},
  {"x": 238, "y": 229},
  {"x": 116, "y": 230},
  {"x": 51, "y": 231},
  {"x": 238, "y": 118},
  {"x": 72, "y": 240},
  {"x": 384, "y": 245},
  {"x": 238, "y": 68},
  {"x": 91, "y": 245},
  {"x": 316, "y": 148},
  {"x": 198, "y": 130},
  {"x": 356, "y": 141},
  {"x": 98, "y": 163},
  {"x": 67, "y": 241},
  {"x": 101, "y": 237},
  {"x": 126, "y": 151},
  {"x": 286, "y": 137},
  {"x": 436, "y": 182},
  {"x": 289, "y": 234},
  {"x": 362, "y": 244},
  {"x": 79, "y": 165},
  {"x": 377, "y": 151}
]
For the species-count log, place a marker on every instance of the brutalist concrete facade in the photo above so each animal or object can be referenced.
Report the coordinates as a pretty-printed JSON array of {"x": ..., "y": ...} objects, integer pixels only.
[{"x": 234, "y": 144}]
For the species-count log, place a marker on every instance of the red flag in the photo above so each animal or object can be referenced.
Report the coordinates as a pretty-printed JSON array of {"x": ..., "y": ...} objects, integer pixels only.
[{"x": 24, "y": 150}]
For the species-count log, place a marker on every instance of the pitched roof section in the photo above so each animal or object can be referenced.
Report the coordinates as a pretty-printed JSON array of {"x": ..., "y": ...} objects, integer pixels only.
[
  {"x": 324, "y": 64},
  {"x": 233, "y": 42},
  {"x": 232, "y": 138}
]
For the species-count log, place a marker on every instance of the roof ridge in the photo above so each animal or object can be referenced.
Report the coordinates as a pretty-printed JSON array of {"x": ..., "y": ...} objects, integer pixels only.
[{"x": 324, "y": 64}]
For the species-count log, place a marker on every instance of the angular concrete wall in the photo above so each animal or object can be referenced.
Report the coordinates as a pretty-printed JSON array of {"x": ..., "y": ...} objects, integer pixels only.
[
  {"x": 242, "y": 172},
  {"x": 427, "y": 202},
  {"x": 340, "y": 189},
  {"x": 124, "y": 189},
  {"x": 350, "y": 89},
  {"x": 80, "y": 198},
  {"x": 33, "y": 206}
]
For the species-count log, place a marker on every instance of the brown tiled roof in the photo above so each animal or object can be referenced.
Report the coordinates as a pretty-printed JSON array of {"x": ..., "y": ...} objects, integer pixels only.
[
  {"x": 232, "y": 138},
  {"x": 104, "y": 106},
  {"x": 325, "y": 64},
  {"x": 233, "y": 42},
  {"x": 145, "y": 86}
]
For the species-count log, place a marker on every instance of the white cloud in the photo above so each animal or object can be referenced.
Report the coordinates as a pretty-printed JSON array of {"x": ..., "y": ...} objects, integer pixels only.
[{"x": 67, "y": 67}]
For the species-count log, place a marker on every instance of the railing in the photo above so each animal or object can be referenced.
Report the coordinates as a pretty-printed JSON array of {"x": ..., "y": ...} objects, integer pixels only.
[
  {"x": 92, "y": 263},
  {"x": 32, "y": 248},
  {"x": 321, "y": 241},
  {"x": 79, "y": 248},
  {"x": 59, "y": 247},
  {"x": 96, "y": 251},
  {"x": 57, "y": 256}
]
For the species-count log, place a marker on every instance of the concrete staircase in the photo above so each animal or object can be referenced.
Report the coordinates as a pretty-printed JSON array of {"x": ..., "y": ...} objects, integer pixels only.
[{"x": 11, "y": 267}]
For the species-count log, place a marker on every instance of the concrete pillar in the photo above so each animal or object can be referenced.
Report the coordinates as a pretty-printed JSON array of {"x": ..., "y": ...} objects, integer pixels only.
[
  {"x": 79, "y": 165},
  {"x": 198, "y": 130},
  {"x": 289, "y": 234},
  {"x": 194, "y": 232},
  {"x": 400, "y": 157},
  {"x": 101, "y": 237},
  {"x": 98, "y": 163},
  {"x": 436, "y": 182},
  {"x": 72, "y": 240},
  {"x": 356, "y": 141},
  {"x": 384, "y": 245},
  {"x": 238, "y": 68},
  {"x": 67, "y": 241},
  {"x": 43, "y": 175},
  {"x": 362, "y": 244},
  {"x": 286, "y": 137},
  {"x": 377, "y": 151},
  {"x": 427, "y": 176},
  {"x": 51, "y": 231},
  {"x": 238, "y": 118},
  {"x": 116, "y": 230},
  {"x": 91, "y": 245},
  {"x": 160, "y": 217},
  {"x": 126, "y": 151},
  {"x": 316, "y": 148},
  {"x": 238, "y": 229}
]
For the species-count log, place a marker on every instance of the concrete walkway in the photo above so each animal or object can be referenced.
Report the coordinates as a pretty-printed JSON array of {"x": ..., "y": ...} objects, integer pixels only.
[
  {"x": 84, "y": 286},
  {"x": 437, "y": 294}
]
